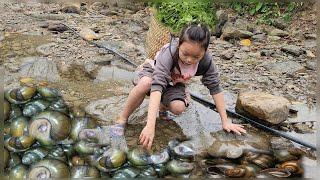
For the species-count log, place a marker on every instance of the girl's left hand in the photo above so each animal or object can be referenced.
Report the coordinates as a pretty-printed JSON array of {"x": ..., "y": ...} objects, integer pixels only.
[{"x": 237, "y": 128}]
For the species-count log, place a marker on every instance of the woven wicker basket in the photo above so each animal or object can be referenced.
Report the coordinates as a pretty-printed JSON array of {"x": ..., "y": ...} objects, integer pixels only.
[{"x": 157, "y": 35}]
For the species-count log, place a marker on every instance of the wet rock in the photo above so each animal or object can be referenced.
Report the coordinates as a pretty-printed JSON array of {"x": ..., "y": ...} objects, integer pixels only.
[
  {"x": 278, "y": 32},
  {"x": 108, "y": 12},
  {"x": 240, "y": 55},
  {"x": 227, "y": 54},
  {"x": 310, "y": 166},
  {"x": 310, "y": 36},
  {"x": 308, "y": 44},
  {"x": 221, "y": 13},
  {"x": 57, "y": 27},
  {"x": 312, "y": 65},
  {"x": 242, "y": 24},
  {"x": 113, "y": 73},
  {"x": 131, "y": 5},
  {"x": 232, "y": 145},
  {"x": 97, "y": 6},
  {"x": 280, "y": 143},
  {"x": 54, "y": 17},
  {"x": 310, "y": 54},
  {"x": 135, "y": 28},
  {"x": 258, "y": 37},
  {"x": 1, "y": 36},
  {"x": 88, "y": 34},
  {"x": 221, "y": 43},
  {"x": 266, "y": 52},
  {"x": 274, "y": 38},
  {"x": 292, "y": 49},
  {"x": 280, "y": 24},
  {"x": 222, "y": 19},
  {"x": 114, "y": 45},
  {"x": 71, "y": 8},
  {"x": 39, "y": 68},
  {"x": 46, "y": 49},
  {"x": 288, "y": 67},
  {"x": 107, "y": 110},
  {"x": 230, "y": 31},
  {"x": 302, "y": 128},
  {"x": 264, "y": 106}
]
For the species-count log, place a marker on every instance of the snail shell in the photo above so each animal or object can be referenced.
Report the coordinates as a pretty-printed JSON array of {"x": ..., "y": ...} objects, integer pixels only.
[
  {"x": 57, "y": 153},
  {"x": 160, "y": 158},
  {"x": 179, "y": 167},
  {"x": 128, "y": 172},
  {"x": 235, "y": 172},
  {"x": 184, "y": 150},
  {"x": 15, "y": 111},
  {"x": 34, "y": 155},
  {"x": 84, "y": 172},
  {"x": 48, "y": 127},
  {"x": 20, "y": 140},
  {"x": 68, "y": 149},
  {"x": 138, "y": 157},
  {"x": 59, "y": 105},
  {"x": 18, "y": 172},
  {"x": 49, "y": 168},
  {"x": 113, "y": 158},
  {"x": 20, "y": 95},
  {"x": 78, "y": 124},
  {"x": 148, "y": 172},
  {"x": 86, "y": 148},
  {"x": 48, "y": 92},
  {"x": 6, "y": 109},
  {"x": 274, "y": 172},
  {"x": 34, "y": 107},
  {"x": 294, "y": 167},
  {"x": 77, "y": 161},
  {"x": 264, "y": 161},
  {"x": 251, "y": 170},
  {"x": 6, "y": 128},
  {"x": 161, "y": 170},
  {"x": 14, "y": 160},
  {"x": 220, "y": 169},
  {"x": 6, "y": 157}
]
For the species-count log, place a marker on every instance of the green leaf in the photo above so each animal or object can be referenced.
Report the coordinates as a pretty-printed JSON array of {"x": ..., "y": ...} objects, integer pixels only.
[
  {"x": 252, "y": 11},
  {"x": 238, "y": 7},
  {"x": 258, "y": 6}
]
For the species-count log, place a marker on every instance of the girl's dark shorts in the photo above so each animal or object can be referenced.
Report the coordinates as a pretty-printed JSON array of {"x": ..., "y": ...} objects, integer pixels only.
[{"x": 170, "y": 93}]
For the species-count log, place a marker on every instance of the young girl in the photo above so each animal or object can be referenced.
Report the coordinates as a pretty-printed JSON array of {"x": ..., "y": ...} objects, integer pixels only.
[{"x": 165, "y": 79}]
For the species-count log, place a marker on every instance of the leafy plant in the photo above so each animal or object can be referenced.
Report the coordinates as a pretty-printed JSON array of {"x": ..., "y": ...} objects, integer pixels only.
[
  {"x": 267, "y": 11},
  {"x": 176, "y": 14}
]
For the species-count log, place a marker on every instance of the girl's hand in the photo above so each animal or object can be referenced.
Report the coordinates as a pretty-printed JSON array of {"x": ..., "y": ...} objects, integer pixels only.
[
  {"x": 146, "y": 136},
  {"x": 237, "y": 128}
]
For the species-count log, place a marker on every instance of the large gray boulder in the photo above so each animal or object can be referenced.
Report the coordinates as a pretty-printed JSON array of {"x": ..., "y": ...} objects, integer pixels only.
[
  {"x": 232, "y": 31},
  {"x": 106, "y": 111},
  {"x": 286, "y": 67},
  {"x": 264, "y": 106}
]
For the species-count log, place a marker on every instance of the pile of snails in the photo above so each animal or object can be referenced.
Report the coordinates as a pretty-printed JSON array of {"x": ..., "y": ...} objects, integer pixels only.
[{"x": 42, "y": 140}]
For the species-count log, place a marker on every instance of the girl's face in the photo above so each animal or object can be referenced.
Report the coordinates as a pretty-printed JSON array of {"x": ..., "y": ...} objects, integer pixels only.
[{"x": 191, "y": 52}]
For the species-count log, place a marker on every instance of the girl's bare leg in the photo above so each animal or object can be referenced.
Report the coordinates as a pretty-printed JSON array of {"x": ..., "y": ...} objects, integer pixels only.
[{"x": 136, "y": 97}]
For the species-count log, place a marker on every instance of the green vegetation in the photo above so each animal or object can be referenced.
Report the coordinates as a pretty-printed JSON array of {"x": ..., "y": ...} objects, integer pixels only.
[
  {"x": 267, "y": 11},
  {"x": 176, "y": 14}
]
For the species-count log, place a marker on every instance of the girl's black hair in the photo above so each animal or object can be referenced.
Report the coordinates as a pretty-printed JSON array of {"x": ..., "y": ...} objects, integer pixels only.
[{"x": 198, "y": 33}]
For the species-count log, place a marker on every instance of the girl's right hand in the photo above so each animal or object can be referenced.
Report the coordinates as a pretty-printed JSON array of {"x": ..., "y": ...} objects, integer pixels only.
[{"x": 146, "y": 136}]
